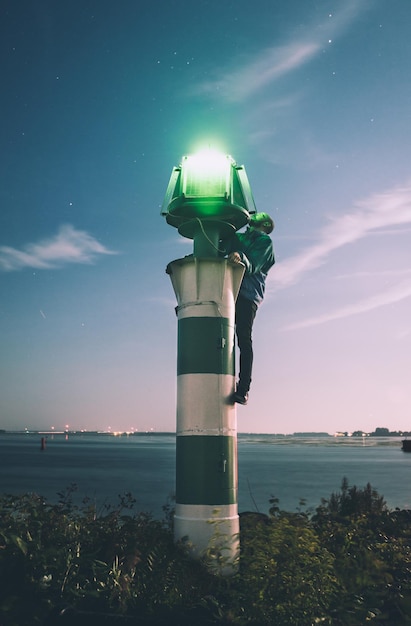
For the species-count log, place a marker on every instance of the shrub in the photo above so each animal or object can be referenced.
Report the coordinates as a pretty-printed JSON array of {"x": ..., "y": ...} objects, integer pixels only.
[
  {"x": 286, "y": 574},
  {"x": 347, "y": 564}
]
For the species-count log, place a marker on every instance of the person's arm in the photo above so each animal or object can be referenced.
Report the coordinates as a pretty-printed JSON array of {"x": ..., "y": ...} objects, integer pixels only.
[
  {"x": 230, "y": 249},
  {"x": 260, "y": 256},
  {"x": 240, "y": 257}
]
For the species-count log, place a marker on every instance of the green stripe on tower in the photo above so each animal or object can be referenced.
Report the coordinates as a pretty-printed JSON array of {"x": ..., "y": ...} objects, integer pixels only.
[
  {"x": 205, "y": 345},
  {"x": 206, "y": 470}
]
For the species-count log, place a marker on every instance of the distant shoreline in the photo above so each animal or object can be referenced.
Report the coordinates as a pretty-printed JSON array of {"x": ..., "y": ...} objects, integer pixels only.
[{"x": 152, "y": 433}]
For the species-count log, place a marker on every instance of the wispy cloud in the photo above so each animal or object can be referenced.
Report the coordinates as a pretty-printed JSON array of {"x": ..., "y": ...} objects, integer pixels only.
[
  {"x": 67, "y": 246},
  {"x": 380, "y": 213},
  {"x": 397, "y": 293},
  {"x": 271, "y": 64},
  {"x": 388, "y": 209},
  {"x": 396, "y": 273},
  {"x": 249, "y": 76}
]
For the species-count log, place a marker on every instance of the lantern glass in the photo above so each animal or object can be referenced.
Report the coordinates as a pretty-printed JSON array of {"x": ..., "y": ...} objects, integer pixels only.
[{"x": 206, "y": 174}]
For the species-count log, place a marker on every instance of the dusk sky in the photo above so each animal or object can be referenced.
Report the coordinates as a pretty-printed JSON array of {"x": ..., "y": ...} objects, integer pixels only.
[{"x": 100, "y": 100}]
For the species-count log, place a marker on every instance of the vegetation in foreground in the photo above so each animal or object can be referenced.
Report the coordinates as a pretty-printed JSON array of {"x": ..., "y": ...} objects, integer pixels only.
[{"x": 345, "y": 564}]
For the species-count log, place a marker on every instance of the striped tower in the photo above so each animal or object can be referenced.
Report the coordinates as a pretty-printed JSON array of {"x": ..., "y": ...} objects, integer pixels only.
[{"x": 206, "y": 460}]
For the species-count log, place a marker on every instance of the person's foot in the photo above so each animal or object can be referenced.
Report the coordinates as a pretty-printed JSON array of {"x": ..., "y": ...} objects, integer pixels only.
[{"x": 239, "y": 397}]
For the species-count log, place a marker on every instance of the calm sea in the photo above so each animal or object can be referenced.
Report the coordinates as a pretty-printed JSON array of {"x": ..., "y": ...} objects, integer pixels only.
[{"x": 291, "y": 468}]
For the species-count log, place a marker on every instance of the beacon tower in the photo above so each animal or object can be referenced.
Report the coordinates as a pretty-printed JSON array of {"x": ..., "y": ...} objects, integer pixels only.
[{"x": 208, "y": 199}]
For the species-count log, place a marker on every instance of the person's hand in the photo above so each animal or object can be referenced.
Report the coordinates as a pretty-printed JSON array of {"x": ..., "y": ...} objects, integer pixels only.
[{"x": 235, "y": 257}]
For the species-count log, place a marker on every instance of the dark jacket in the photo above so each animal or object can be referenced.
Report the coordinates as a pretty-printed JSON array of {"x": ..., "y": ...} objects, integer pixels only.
[{"x": 257, "y": 254}]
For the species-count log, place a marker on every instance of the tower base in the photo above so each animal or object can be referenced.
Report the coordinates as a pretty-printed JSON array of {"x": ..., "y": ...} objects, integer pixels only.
[{"x": 211, "y": 533}]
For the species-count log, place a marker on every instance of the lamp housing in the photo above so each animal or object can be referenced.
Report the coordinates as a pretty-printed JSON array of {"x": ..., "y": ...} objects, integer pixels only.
[{"x": 211, "y": 189}]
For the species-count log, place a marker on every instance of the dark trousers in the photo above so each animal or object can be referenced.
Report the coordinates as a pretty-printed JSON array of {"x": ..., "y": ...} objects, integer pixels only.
[{"x": 245, "y": 311}]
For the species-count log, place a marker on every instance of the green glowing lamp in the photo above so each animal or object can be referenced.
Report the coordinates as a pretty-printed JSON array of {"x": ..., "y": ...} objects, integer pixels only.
[
  {"x": 208, "y": 198},
  {"x": 206, "y": 175}
]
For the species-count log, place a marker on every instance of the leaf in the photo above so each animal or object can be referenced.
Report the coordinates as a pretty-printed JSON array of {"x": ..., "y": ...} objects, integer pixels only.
[{"x": 20, "y": 543}]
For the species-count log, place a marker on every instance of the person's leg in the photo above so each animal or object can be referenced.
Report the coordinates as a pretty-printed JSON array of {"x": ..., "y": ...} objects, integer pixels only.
[{"x": 244, "y": 319}]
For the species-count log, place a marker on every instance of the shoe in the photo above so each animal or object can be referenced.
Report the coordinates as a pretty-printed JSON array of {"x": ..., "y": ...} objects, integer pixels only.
[{"x": 240, "y": 398}]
